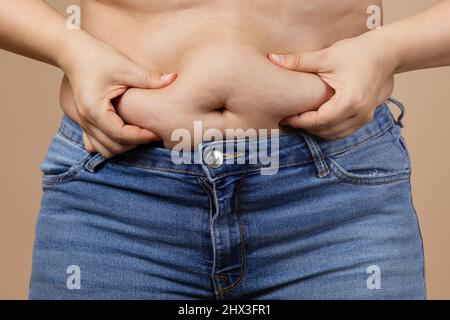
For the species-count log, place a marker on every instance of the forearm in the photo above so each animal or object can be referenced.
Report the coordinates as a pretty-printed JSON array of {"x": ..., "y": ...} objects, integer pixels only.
[
  {"x": 32, "y": 28},
  {"x": 418, "y": 42}
]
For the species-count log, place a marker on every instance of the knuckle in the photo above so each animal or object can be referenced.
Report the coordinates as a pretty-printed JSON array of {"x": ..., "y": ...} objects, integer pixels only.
[
  {"x": 146, "y": 76},
  {"x": 86, "y": 112},
  {"x": 352, "y": 103},
  {"x": 324, "y": 55},
  {"x": 107, "y": 154},
  {"x": 91, "y": 149},
  {"x": 105, "y": 151},
  {"x": 357, "y": 101},
  {"x": 81, "y": 110},
  {"x": 296, "y": 60},
  {"x": 117, "y": 149},
  {"x": 151, "y": 77},
  {"x": 85, "y": 99},
  {"x": 322, "y": 124},
  {"x": 119, "y": 138}
]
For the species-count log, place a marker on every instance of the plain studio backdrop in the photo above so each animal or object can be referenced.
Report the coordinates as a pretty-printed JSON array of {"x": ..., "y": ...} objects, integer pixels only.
[{"x": 30, "y": 115}]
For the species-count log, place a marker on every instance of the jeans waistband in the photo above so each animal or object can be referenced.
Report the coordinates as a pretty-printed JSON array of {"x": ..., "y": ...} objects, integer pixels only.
[{"x": 291, "y": 148}]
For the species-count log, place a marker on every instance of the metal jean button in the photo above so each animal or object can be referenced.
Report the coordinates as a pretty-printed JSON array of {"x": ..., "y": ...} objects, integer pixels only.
[{"x": 214, "y": 159}]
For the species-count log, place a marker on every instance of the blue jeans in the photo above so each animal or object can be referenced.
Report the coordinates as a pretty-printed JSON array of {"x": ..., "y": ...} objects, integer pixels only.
[{"x": 335, "y": 222}]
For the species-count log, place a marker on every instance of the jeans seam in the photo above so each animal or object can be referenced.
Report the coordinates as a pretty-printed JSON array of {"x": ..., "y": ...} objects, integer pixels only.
[
  {"x": 61, "y": 134},
  {"x": 256, "y": 169},
  {"x": 362, "y": 142},
  {"x": 325, "y": 154},
  {"x": 317, "y": 155},
  {"x": 212, "y": 203},
  {"x": 243, "y": 253},
  {"x": 421, "y": 239},
  {"x": 155, "y": 167}
]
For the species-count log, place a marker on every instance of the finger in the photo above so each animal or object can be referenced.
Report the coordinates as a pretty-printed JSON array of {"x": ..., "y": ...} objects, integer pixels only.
[
  {"x": 87, "y": 144},
  {"x": 91, "y": 144},
  {"x": 307, "y": 61},
  {"x": 346, "y": 127},
  {"x": 93, "y": 132},
  {"x": 338, "y": 135},
  {"x": 139, "y": 77},
  {"x": 107, "y": 142},
  {"x": 105, "y": 152},
  {"x": 113, "y": 126},
  {"x": 340, "y": 131},
  {"x": 328, "y": 115}
]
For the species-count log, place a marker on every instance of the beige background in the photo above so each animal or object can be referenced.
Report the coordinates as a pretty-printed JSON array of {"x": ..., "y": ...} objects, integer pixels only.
[{"x": 30, "y": 115}]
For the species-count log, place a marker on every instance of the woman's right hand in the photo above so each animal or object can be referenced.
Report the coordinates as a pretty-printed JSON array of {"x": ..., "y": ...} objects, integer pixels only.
[{"x": 98, "y": 74}]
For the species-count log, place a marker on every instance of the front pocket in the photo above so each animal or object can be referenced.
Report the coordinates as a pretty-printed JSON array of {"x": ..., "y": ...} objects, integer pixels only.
[
  {"x": 378, "y": 161},
  {"x": 63, "y": 161}
]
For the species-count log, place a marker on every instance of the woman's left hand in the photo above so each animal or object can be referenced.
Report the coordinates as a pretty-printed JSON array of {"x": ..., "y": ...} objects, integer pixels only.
[{"x": 360, "y": 70}]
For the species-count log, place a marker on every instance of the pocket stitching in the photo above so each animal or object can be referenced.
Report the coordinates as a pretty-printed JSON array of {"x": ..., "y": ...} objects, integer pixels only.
[
  {"x": 363, "y": 142},
  {"x": 345, "y": 176},
  {"x": 68, "y": 175}
]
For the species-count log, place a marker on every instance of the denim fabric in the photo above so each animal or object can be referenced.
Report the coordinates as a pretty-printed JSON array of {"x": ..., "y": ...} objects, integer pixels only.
[{"x": 335, "y": 222}]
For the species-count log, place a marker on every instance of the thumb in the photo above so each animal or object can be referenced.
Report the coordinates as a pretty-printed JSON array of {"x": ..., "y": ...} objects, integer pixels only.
[
  {"x": 139, "y": 77},
  {"x": 306, "y": 61}
]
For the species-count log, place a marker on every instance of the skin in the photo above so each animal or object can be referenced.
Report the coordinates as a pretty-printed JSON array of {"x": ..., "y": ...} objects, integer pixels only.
[
  {"x": 364, "y": 81},
  {"x": 318, "y": 83},
  {"x": 217, "y": 93}
]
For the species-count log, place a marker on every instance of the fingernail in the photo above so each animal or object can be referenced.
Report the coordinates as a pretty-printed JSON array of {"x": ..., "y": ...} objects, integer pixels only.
[
  {"x": 276, "y": 58},
  {"x": 167, "y": 77}
]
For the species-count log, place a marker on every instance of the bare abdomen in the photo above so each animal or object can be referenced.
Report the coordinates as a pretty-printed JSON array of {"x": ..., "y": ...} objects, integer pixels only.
[{"x": 219, "y": 52}]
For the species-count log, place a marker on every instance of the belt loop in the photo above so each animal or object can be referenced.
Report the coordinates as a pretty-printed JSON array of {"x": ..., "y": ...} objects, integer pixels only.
[
  {"x": 402, "y": 111},
  {"x": 319, "y": 160},
  {"x": 94, "y": 163}
]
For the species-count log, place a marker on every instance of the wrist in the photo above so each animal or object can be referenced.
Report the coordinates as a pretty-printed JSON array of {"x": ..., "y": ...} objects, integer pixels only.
[
  {"x": 387, "y": 55},
  {"x": 73, "y": 45}
]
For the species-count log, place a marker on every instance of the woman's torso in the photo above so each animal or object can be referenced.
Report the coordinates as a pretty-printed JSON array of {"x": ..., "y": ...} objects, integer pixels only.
[{"x": 218, "y": 48}]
